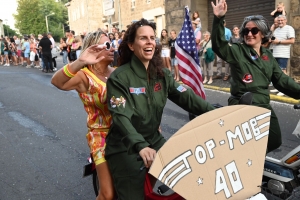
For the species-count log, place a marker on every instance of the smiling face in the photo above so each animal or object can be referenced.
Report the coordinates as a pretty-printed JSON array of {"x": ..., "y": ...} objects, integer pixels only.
[
  {"x": 281, "y": 22},
  {"x": 253, "y": 40},
  {"x": 144, "y": 44}
]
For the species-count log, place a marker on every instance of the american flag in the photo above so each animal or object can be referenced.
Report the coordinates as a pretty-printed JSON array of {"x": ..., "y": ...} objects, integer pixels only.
[{"x": 187, "y": 56}]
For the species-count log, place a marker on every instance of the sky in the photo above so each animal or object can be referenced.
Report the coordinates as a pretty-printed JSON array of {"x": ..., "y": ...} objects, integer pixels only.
[{"x": 8, "y": 7}]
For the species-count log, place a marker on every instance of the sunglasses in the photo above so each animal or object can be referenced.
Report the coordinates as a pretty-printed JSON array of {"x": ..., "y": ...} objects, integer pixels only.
[
  {"x": 253, "y": 31},
  {"x": 253, "y": 17},
  {"x": 107, "y": 45}
]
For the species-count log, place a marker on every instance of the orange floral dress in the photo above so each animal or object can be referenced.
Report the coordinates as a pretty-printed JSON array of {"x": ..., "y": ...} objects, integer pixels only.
[{"x": 99, "y": 118}]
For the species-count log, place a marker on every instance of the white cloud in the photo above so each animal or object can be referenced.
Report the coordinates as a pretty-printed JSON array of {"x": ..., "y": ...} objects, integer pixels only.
[{"x": 8, "y": 7}]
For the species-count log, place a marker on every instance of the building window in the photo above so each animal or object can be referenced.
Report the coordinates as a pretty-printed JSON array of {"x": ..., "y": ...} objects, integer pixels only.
[
  {"x": 132, "y": 3},
  {"x": 148, "y": 1}
]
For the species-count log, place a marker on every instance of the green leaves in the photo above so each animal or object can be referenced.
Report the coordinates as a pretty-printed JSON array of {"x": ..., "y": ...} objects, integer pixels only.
[{"x": 31, "y": 17}]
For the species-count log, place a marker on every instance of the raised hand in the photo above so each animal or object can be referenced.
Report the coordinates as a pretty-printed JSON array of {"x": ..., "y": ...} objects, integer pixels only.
[
  {"x": 220, "y": 8},
  {"x": 92, "y": 55}
]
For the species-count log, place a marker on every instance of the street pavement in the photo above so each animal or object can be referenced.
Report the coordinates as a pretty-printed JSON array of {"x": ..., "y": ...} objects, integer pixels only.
[{"x": 42, "y": 134}]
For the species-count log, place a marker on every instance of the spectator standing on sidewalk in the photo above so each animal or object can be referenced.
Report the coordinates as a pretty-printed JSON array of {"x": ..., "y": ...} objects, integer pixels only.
[
  {"x": 1, "y": 50},
  {"x": 220, "y": 61},
  {"x": 165, "y": 52},
  {"x": 53, "y": 50},
  {"x": 207, "y": 58},
  {"x": 78, "y": 45},
  {"x": 284, "y": 37},
  {"x": 63, "y": 47},
  {"x": 174, "y": 62},
  {"x": 26, "y": 48},
  {"x": 45, "y": 47},
  {"x": 235, "y": 38},
  {"x": 5, "y": 52}
]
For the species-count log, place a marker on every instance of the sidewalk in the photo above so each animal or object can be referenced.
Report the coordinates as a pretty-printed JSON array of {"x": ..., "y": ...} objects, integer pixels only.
[{"x": 219, "y": 84}]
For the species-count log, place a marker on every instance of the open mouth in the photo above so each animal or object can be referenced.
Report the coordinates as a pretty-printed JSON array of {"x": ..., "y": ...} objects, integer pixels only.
[{"x": 148, "y": 50}]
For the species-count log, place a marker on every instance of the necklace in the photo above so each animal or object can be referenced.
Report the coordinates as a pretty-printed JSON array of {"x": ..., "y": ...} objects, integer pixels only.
[{"x": 101, "y": 73}]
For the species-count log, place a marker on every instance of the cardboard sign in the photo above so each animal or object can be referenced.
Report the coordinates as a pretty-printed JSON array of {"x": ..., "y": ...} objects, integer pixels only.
[{"x": 218, "y": 155}]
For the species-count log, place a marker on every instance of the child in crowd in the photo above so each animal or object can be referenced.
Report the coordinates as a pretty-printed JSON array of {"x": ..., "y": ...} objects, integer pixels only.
[
  {"x": 279, "y": 10},
  {"x": 174, "y": 62},
  {"x": 196, "y": 20}
]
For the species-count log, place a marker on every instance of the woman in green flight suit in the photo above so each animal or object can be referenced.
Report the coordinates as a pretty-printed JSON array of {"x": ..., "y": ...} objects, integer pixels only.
[
  {"x": 253, "y": 67},
  {"x": 137, "y": 92}
]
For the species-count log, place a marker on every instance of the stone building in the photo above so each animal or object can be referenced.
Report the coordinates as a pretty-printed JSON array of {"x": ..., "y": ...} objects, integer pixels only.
[
  {"x": 90, "y": 15},
  {"x": 1, "y": 28}
]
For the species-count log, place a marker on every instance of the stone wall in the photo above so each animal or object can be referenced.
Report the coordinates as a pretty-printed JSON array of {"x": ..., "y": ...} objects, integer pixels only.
[
  {"x": 175, "y": 13},
  {"x": 294, "y": 20},
  {"x": 87, "y": 15},
  {"x": 142, "y": 9}
]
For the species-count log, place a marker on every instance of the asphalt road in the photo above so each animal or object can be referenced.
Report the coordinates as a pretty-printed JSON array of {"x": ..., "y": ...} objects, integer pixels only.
[{"x": 42, "y": 136}]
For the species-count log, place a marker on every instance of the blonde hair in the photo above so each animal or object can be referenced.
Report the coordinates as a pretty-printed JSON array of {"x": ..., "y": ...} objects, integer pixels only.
[
  {"x": 78, "y": 38},
  {"x": 280, "y": 4},
  {"x": 91, "y": 39}
]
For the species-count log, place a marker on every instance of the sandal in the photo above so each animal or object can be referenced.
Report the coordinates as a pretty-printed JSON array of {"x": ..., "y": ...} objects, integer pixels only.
[{"x": 226, "y": 77}]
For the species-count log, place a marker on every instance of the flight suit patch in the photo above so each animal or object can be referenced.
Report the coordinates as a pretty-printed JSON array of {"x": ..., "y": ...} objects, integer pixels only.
[
  {"x": 247, "y": 78},
  {"x": 253, "y": 57},
  {"x": 137, "y": 91},
  {"x": 157, "y": 87},
  {"x": 264, "y": 57},
  {"x": 180, "y": 88},
  {"x": 116, "y": 102}
]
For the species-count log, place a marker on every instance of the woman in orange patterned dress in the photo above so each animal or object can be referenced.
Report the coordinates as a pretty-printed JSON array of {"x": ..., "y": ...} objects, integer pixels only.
[{"x": 87, "y": 75}]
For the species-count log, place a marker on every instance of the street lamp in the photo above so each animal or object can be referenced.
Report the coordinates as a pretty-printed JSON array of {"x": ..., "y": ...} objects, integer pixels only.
[
  {"x": 6, "y": 27},
  {"x": 47, "y": 20}
]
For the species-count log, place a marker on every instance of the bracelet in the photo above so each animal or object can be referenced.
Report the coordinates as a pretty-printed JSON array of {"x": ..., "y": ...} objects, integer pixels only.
[{"x": 67, "y": 72}]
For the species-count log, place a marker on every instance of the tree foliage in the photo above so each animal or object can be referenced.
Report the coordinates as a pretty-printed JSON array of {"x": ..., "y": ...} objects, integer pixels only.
[
  {"x": 8, "y": 31},
  {"x": 31, "y": 17}
]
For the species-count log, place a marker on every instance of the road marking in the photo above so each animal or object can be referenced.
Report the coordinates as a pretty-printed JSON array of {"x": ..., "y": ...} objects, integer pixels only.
[{"x": 37, "y": 128}]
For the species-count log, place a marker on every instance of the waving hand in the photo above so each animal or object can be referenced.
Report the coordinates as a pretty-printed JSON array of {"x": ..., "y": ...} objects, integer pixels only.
[{"x": 220, "y": 8}]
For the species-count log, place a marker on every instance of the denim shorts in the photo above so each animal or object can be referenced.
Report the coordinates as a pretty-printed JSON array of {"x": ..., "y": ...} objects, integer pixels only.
[
  {"x": 174, "y": 61},
  {"x": 26, "y": 55},
  {"x": 5, "y": 52},
  {"x": 282, "y": 62}
]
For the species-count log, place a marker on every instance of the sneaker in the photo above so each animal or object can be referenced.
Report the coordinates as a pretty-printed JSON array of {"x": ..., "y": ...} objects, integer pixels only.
[
  {"x": 40, "y": 68},
  {"x": 280, "y": 94},
  {"x": 275, "y": 90},
  {"x": 28, "y": 66},
  {"x": 209, "y": 82},
  {"x": 5, "y": 65},
  {"x": 37, "y": 67},
  {"x": 8, "y": 64},
  {"x": 54, "y": 69}
]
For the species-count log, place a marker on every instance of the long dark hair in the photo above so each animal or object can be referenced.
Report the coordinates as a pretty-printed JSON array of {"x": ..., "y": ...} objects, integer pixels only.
[{"x": 155, "y": 65}]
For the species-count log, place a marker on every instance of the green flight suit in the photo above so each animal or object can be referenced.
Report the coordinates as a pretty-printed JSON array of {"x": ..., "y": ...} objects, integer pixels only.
[
  {"x": 251, "y": 73},
  {"x": 136, "y": 106}
]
